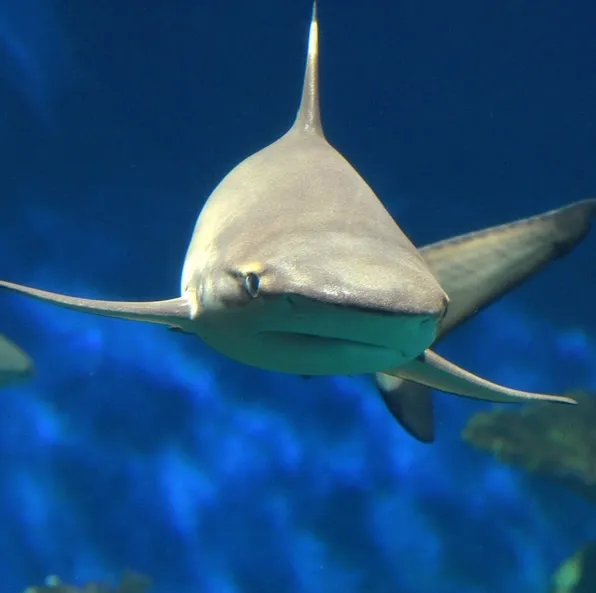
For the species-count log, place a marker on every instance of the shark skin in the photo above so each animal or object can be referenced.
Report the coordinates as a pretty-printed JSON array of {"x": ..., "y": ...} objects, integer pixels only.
[{"x": 295, "y": 266}]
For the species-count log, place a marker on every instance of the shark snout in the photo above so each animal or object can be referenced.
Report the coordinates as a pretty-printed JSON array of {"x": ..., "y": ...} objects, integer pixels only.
[
  {"x": 421, "y": 295},
  {"x": 441, "y": 310}
]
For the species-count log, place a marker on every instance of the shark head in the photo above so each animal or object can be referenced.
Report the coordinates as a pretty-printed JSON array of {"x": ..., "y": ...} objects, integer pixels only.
[
  {"x": 302, "y": 301},
  {"x": 296, "y": 266}
]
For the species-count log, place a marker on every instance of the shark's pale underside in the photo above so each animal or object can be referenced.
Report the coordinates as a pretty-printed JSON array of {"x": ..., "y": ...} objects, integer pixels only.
[{"x": 294, "y": 265}]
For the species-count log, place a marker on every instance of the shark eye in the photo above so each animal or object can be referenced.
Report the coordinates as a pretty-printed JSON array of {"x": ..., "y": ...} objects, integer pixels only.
[{"x": 251, "y": 284}]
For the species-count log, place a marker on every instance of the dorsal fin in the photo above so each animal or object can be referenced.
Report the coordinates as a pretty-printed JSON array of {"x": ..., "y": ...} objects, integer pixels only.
[{"x": 309, "y": 116}]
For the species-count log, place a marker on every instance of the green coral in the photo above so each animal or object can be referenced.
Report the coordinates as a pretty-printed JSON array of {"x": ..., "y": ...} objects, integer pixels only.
[
  {"x": 578, "y": 573},
  {"x": 131, "y": 582}
]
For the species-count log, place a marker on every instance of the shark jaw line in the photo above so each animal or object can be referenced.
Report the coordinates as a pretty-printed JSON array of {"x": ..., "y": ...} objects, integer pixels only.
[
  {"x": 314, "y": 354},
  {"x": 311, "y": 337},
  {"x": 308, "y": 337},
  {"x": 315, "y": 336}
]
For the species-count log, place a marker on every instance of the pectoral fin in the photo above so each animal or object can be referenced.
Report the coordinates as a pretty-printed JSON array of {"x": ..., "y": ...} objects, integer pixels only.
[
  {"x": 433, "y": 371},
  {"x": 411, "y": 404},
  {"x": 173, "y": 312}
]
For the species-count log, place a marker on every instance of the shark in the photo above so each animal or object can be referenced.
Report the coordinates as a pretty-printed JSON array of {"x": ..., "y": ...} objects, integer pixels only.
[
  {"x": 15, "y": 365},
  {"x": 295, "y": 266}
]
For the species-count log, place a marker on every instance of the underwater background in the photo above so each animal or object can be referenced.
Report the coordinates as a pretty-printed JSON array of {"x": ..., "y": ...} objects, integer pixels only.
[{"x": 135, "y": 447}]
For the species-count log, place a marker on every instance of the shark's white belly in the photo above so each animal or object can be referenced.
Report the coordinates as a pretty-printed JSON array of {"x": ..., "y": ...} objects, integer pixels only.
[{"x": 298, "y": 336}]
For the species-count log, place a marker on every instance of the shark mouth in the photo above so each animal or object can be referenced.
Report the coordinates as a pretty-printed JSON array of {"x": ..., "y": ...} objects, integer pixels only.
[{"x": 305, "y": 339}]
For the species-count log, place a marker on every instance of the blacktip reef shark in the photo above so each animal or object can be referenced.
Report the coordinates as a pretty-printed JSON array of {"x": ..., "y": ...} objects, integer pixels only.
[
  {"x": 295, "y": 266},
  {"x": 15, "y": 365}
]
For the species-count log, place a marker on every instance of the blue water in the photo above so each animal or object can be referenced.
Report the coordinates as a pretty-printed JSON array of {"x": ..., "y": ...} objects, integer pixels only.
[{"x": 136, "y": 447}]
